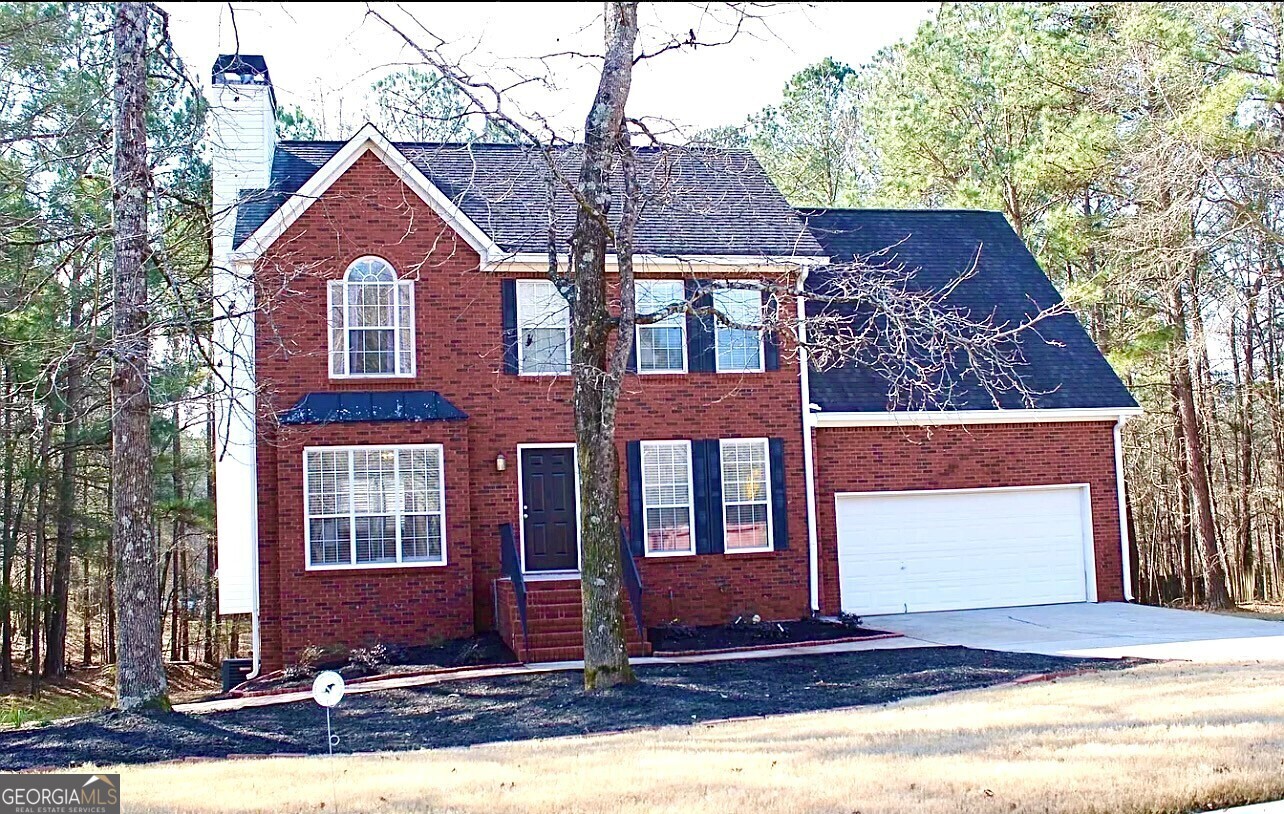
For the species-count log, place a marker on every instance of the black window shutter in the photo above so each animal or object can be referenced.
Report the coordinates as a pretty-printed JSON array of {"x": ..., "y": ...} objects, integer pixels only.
[
  {"x": 779, "y": 498},
  {"x": 508, "y": 302},
  {"x": 632, "y": 365},
  {"x": 700, "y": 496},
  {"x": 713, "y": 468},
  {"x": 699, "y": 329},
  {"x": 633, "y": 458},
  {"x": 770, "y": 339}
]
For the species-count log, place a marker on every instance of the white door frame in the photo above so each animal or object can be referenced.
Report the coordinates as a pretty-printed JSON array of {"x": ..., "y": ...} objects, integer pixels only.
[
  {"x": 1085, "y": 503},
  {"x": 521, "y": 513}
]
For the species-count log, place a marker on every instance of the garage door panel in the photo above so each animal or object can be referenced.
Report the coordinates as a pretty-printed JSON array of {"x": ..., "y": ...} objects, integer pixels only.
[{"x": 953, "y": 550}]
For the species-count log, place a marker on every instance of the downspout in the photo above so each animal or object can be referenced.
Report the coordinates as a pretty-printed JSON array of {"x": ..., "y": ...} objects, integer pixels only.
[
  {"x": 252, "y": 418},
  {"x": 1125, "y": 547},
  {"x": 809, "y": 465},
  {"x": 255, "y": 634}
]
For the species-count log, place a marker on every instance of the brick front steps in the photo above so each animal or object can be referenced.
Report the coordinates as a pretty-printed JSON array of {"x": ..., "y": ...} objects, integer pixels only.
[{"x": 554, "y": 620}]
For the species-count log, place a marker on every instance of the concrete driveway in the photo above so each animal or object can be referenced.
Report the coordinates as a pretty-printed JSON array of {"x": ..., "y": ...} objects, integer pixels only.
[{"x": 1105, "y": 630}]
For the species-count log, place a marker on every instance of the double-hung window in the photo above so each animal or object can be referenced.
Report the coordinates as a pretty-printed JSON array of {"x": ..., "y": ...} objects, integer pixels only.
[
  {"x": 746, "y": 496},
  {"x": 661, "y": 346},
  {"x": 668, "y": 522},
  {"x": 372, "y": 318},
  {"x": 543, "y": 329},
  {"x": 738, "y": 349},
  {"x": 374, "y": 506}
]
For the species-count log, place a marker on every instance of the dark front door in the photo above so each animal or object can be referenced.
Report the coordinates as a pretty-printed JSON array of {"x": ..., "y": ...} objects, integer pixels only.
[{"x": 550, "y": 516}]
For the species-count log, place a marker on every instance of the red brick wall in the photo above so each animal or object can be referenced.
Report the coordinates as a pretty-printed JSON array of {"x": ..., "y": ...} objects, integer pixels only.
[
  {"x": 361, "y": 606},
  {"x": 867, "y": 459},
  {"x": 458, "y": 344}
]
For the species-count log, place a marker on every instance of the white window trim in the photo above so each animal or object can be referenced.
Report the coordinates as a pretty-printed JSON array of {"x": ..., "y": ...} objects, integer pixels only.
[
  {"x": 690, "y": 498},
  {"x": 354, "y": 565},
  {"x": 766, "y": 474},
  {"x": 680, "y": 321},
  {"x": 397, "y": 285},
  {"x": 521, "y": 346},
  {"x": 762, "y": 350}
]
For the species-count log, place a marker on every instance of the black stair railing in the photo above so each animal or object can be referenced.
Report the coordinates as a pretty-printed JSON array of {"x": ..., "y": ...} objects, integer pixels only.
[
  {"x": 511, "y": 561},
  {"x": 632, "y": 580}
]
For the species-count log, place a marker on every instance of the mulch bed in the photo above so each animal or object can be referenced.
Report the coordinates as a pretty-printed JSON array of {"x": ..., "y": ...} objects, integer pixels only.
[
  {"x": 388, "y": 660},
  {"x": 745, "y": 633},
  {"x": 539, "y": 705}
]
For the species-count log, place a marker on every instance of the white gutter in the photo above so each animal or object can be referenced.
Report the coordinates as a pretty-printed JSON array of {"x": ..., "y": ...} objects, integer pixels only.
[
  {"x": 809, "y": 465},
  {"x": 930, "y": 417},
  {"x": 1125, "y": 547}
]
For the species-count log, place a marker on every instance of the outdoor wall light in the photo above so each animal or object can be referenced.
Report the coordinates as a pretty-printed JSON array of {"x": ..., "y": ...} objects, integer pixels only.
[{"x": 501, "y": 463}]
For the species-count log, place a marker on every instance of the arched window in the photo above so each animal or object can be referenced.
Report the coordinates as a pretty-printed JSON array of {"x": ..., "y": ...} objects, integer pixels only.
[{"x": 372, "y": 322}]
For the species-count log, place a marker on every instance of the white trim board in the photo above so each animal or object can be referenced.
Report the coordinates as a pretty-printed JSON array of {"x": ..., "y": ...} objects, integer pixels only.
[
  {"x": 537, "y": 262},
  {"x": 941, "y": 417}
]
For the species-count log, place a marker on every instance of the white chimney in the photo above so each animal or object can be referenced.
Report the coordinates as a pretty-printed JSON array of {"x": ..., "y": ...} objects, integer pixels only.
[{"x": 242, "y": 139}]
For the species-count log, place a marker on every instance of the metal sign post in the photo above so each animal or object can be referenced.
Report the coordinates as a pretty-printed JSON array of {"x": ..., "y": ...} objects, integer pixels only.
[{"x": 327, "y": 690}]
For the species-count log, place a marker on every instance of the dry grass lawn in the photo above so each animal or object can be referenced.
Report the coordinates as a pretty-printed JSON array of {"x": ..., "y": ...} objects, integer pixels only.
[
  {"x": 1259, "y": 610},
  {"x": 1159, "y": 738},
  {"x": 89, "y": 689}
]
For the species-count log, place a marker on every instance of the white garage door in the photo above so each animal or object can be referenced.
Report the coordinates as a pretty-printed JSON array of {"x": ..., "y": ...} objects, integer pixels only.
[{"x": 903, "y": 552}]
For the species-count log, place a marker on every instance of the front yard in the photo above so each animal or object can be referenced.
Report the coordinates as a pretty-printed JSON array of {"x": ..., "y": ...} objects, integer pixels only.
[
  {"x": 526, "y": 706},
  {"x": 1155, "y": 738}
]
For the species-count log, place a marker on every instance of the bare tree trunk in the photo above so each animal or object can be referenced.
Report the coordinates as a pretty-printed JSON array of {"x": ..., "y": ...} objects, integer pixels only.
[
  {"x": 56, "y": 632},
  {"x": 210, "y": 631},
  {"x": 9, "y": 540},
  {"x": 177, "y": 533},
  {"x": 86, "y": 624},
  {"x": 596, "y": 370},
  {"x": 1216, "y": 593},
  {"x": 140, "y": 672},
  {"x": 37, "y": 563}
]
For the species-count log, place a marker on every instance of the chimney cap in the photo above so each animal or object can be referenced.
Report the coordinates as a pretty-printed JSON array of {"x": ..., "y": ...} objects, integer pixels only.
[{"x": 243, "y": 69}]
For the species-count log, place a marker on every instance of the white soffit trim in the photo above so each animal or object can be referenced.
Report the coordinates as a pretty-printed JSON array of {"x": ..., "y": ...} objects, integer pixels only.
[
  {"x": 643, "y": 263},
  {"x": 367, "y": 139},
  {"x": 938, "y": 417}
]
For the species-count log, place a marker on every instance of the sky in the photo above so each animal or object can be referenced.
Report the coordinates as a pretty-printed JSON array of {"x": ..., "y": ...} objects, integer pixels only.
[{"x": 324, "y": 56}]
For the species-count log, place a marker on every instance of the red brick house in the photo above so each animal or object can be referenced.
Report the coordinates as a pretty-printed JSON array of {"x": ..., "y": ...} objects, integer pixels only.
[{"x": 396, "y": 460}]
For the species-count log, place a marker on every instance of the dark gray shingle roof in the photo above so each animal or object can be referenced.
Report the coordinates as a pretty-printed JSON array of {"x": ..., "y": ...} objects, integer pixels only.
[
  {"x": 403, "y": 405},
  {"x": 700, "y": 201},
  {"x": 1064, "y": 368}
]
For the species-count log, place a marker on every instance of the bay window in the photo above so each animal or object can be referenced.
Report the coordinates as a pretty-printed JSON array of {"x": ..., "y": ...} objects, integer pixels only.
[{"x": 374, "y": 506}]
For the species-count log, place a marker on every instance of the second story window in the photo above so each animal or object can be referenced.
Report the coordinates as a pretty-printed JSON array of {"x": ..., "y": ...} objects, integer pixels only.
[
  {"x": 543, "y": 329},
  {"x": 661, "y": 346},
  {"x": 372, "y": 322},
  {"x": 739, "y": 350}
]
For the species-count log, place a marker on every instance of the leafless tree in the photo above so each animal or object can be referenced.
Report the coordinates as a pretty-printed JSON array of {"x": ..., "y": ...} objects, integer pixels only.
[
  {"x": 865, "y": 312},
  {"x": 140, "y": 677}
]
